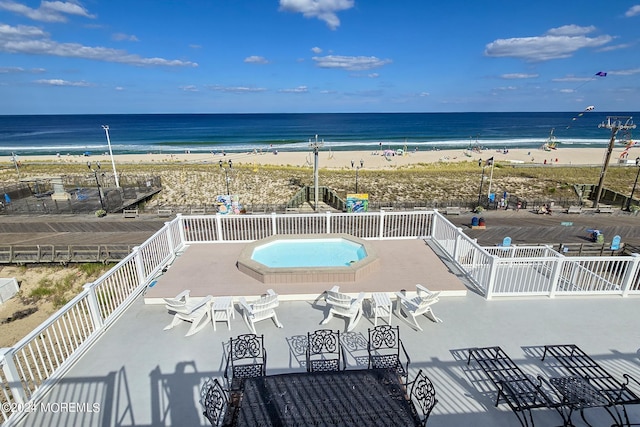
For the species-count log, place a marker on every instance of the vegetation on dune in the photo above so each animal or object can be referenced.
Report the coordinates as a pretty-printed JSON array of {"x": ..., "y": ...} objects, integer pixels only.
[{"x": 198, "y": 183}]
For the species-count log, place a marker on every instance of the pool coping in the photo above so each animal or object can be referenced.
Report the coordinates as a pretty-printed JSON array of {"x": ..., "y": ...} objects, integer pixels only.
[{"x": 341, "y": 274}]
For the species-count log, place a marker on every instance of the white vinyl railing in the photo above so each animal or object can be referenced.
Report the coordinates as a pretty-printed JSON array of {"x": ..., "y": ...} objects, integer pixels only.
[{"x": 30, "y": 367}]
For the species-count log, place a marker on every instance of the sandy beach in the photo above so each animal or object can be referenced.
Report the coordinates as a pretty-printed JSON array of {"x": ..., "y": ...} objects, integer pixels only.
[{"x": 343, "y": 159}]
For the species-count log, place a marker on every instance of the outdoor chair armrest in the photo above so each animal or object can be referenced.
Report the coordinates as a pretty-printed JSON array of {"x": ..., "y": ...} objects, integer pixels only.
[
  {"x": 404, "y": 298},
  {"x": 358, "y": 301},
  {"x": 245, "y": 306},
  {"x": 628, "y": 379},
  {"x": 421, "y": 288}
]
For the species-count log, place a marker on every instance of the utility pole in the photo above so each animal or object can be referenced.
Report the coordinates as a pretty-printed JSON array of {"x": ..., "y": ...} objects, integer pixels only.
[
  {"x": 315, "y": 146},
  {"x": 615, "y": 124}
]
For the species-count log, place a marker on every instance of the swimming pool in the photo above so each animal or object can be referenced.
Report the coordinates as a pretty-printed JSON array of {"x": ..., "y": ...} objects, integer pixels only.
[
  {"x": 296, "y": 258},
  {"x": 336, "y": 252}
]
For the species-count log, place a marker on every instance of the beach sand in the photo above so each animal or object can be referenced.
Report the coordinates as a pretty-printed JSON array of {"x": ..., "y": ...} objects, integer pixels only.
[{"x": 343, "y": 159}]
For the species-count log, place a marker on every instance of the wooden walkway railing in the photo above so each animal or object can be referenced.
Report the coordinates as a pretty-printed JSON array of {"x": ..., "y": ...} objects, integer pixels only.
[{"x": 63, "y": 254}]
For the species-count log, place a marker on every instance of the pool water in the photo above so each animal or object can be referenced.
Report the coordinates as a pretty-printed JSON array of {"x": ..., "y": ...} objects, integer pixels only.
[{"x": 309, "y": 253}]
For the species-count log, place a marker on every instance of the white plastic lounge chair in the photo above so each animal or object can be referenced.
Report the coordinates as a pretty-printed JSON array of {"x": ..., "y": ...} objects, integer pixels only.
[
  {"x": 410, "y": 308},
  {"x": 195, "y": 310},
  {"x": 261, "y": 309},
  {"x": 343, "y": 305},
  {"x": 179, "y": 301}
]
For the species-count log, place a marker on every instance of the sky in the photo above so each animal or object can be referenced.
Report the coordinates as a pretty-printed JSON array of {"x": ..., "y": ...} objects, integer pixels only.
[{"x": 325, "y": 56}]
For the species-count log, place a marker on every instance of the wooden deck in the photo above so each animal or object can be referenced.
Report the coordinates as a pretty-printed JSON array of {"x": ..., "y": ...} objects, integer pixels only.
[
  {"x": 210, "y": 269},
  {"x": 529, "y": 228}
]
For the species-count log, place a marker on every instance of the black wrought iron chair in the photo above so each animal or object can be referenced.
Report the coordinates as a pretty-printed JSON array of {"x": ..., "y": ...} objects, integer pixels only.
[
  {"x": 324, "y": 351},
  {"x": 247, "y": 359},
  {"x": 424, "y": 394},
  {"x": 386, "y": 350},
  {"x": 215, "y": 401}
]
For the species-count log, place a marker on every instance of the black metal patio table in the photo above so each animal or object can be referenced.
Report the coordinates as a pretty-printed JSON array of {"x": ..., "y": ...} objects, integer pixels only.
[{"x": 371, "y": 397}]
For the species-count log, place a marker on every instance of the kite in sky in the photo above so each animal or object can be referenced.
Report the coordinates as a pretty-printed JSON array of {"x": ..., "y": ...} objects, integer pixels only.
[{"x": 589, "y": 108}]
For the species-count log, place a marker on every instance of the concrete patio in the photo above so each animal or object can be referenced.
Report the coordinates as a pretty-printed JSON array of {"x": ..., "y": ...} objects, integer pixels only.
[{"x": 144, "y": 376}]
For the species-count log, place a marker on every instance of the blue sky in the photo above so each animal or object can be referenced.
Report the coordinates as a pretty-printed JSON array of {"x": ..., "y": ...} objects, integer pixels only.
[{"x": 245, "y": 56}]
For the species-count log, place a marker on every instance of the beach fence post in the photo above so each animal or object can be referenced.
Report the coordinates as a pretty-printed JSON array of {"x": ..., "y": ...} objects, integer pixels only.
[
  {"x": 12, "y": 379},
  {"x": 328, "y": 222},
  {"x": 632, "y": 276},
  {"x": 555, "y": 275},
  {"x": 274, "y": 224},
  {"x": 219, "y": 227},
  {"x": 94, "y": 307},
  {"x": 493, "y": 270},
  {"x": 381, "y": 230}
]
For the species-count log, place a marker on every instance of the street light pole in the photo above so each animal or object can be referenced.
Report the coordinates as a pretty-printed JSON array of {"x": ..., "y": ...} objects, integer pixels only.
[
  {"x": 357, "y": 169},
  {"x": 226, "y": 175},
  {"x": 633, "y": 190},
  {"x": 315, "y": 146},
  {"x": 95, "y": 174},
  {"x": 480, "y": 190},
  {"x": 113, "y": 163}
]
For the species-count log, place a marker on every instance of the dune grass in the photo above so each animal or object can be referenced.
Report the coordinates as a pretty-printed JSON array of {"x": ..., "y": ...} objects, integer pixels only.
[{"x": 198, "y": 183}]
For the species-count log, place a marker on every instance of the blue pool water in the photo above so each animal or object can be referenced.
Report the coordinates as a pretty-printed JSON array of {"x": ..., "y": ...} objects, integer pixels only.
[{"x": 309, "y": 253}]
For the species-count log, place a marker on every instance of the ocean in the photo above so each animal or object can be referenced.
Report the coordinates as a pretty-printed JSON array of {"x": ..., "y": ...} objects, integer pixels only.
[{"x": 195, "y": 133}]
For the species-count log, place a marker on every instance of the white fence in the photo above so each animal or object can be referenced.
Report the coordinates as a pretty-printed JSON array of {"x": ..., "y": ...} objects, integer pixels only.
[
  {"x": 39, "y": 359},
  {"x": 30, "y": 367}
]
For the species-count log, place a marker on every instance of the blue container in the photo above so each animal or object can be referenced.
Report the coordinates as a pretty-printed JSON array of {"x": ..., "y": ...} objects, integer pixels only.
[{"x": 474, "y": 221}]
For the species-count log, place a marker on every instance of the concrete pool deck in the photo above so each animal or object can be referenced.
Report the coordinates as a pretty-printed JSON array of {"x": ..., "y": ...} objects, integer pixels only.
[{"x": 210, "y": 269}]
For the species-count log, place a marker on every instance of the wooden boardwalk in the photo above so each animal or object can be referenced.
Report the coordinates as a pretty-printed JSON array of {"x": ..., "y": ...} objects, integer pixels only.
[
  {"x": 529, "y": 228},
  {"x": 85, "y": 232}
]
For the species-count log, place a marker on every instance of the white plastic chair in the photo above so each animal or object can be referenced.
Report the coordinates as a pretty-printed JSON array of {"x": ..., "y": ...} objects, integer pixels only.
[
  {"x": 261, "y": 309},
  {"x": 343, "y": 305},
  {"x": 409, "y": 309},
  {"x": 194, "y": 310}
]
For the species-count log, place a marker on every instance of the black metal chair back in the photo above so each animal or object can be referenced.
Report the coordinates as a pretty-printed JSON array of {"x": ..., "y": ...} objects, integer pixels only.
[
  {"x": 324, "y": 351},
  {"x": 386, "y": 350},
  {"x": 215, "y": 402},
  {"x": 247, "y": 359},
  {"x": 424, "y": 394}
]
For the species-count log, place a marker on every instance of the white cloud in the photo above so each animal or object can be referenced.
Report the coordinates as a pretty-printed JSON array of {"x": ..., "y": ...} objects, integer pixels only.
[
  {"x": 189, "y": 88},
  {"x": 633, "y": 11},
  {"x": 373, "y": 75},
  {"x": 33, "y": 41},
  {"x": 49, "y": 11},
  {"x": 615, "y": 47},
  {"x": 571, "y": 30},
  {"x": 510, "y": 76},
  {"x": 8, "y": 70},
  {"x": 236, "y": 89},
  {"x": 299, "y": 89},
  {"x": 629, "y": 72},
  {"x": 571, "y": 79},
  {"x": 121, "y": 37},
  {"x": 60, "y": 82},
  {"x": 424, "y": 94},
  {"x": 316, "y": 50},
  {"x": 256, "y": 60},
  {"x": 557, "y": 43},
  {"x": 567, "y": 90},
  {"x": 324, "y": 10},
  {"x": 351, "y": 63}
]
